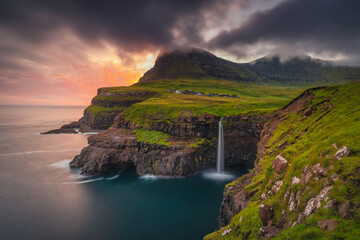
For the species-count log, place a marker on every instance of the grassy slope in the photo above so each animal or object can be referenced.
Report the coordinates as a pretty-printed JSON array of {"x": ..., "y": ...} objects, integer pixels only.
[
  {"x": 341, "y": 125},
  {"x": 258, "y": 99}
]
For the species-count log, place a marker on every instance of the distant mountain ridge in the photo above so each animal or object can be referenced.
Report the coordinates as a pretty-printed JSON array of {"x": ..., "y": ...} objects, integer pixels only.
[{"x": 196, "y": 63}]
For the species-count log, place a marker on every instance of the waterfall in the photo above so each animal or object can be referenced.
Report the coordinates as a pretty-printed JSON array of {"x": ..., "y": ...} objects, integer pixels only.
[{"x": 220, "y": 149}]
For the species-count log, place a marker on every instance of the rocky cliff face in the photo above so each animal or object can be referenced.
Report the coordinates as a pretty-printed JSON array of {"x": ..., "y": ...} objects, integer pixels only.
[
  {"x": 118, "y": 148},
  {"x": 305, "y": 181},
  {"x": 107, "y": 105},
  {"x": 235, "y": 196}
]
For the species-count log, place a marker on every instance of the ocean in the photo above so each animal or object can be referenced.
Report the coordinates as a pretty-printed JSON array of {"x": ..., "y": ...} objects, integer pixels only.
[{"x": 42, "y": 198}]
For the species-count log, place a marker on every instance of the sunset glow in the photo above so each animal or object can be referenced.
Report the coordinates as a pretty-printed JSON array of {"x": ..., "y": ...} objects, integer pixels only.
[{"x": 71, "y": 75}]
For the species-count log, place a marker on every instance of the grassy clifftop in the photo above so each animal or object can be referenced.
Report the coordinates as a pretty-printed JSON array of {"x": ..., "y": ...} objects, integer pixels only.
[
  {"x": 328, "y": 121},
  {"x": 167, "y": 106}
]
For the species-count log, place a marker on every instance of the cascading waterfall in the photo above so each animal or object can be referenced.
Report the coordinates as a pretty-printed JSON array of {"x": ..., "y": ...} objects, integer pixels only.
[{"x": 220, "y": 149}]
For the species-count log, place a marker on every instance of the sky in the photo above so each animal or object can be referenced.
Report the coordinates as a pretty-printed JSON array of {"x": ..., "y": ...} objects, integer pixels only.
[{"x": 60, "y": 52}]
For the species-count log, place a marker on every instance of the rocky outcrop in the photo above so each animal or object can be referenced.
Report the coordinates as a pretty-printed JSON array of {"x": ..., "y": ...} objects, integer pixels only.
[
  {"x": 279, "y": 165},
  {"x": 115, "y": 150},
  {"x": 346, "y": 209},
  {"x": 106, "y": 105},
  {"x": 235, "y": 198},
  {"x": 328, "y": 224},
  {"x": 67, "y": 128},
  {"x": 343, "y": 152},
  {"x": 60, "y": 130}
]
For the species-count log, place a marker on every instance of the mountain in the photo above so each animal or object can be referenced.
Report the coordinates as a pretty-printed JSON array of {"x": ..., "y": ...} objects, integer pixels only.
[
  {"x": 192, "y": 63},
  {"x": 195, "y": 63}
]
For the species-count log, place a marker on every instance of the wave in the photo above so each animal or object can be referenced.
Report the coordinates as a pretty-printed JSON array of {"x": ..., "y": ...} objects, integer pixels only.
[
  {"x": 111, "y": 178},
  {"x": 61, "y": 164},
  {"x": 85, "y": 181},
  {"x": 89, "y": 133},
  {"x": 39, "y": 151}
]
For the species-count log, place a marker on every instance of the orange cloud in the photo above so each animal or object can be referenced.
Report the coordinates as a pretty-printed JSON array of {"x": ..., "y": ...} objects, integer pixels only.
[{"x": 70, "y": 74}]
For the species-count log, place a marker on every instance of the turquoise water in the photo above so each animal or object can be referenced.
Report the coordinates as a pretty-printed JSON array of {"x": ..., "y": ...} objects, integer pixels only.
[{"x": 41, "y": 198}]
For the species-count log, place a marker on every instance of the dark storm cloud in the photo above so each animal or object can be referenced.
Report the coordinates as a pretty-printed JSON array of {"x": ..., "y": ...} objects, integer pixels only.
[
  {"x": 313, "y": 25},
  {"x": 131, "y": 24}
]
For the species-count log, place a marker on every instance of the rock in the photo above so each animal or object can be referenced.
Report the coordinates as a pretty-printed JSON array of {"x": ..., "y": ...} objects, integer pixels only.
[
  {"x": 307, "y": 177},
  {"x": 328, "y": 224},
  {"x": 266, "y": 214},
  {"x": 277, "y": 186},
  {"x": 61, "y": 130},
  {"x": 330, "y": 204},
  {"x": 71, "y": 125},
  {"x": 319, "y": 171},
  {"x": 307, "y": 169},
  {"x": 334, "y": 146},
  {"x": 263, "y": 196},
  {"x": 334, "y": 177},
  {"x": 282, "y": 220},
  {"x": 115, "y": 150},
  {"x": 304, "y": 179},
  {"x": 325, "y": 183},
  {"x": 346, "y": 209},
  {"x": 315, "y": 203},
  {"x": 279, "y": 165},
  {"x": 295, "y": 180},
  {"x": 342, "y": 152},
  {"x": 269, "y": 232},
  {"x": 227, "y": 231},
  {"x": 292, "y": 203},
  {"x": 235, "y": 199}
]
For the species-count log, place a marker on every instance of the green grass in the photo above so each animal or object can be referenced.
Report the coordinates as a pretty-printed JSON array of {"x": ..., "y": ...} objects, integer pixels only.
[
  {"x": 152, "y": 137},
  {"x": 96, "y": 110},
  {"x": 338, "y": 124},
  {"x": 167, "y": 106}
]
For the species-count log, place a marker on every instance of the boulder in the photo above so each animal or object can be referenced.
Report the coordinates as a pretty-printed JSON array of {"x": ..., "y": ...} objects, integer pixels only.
[
  {"x": 342, "y": 152},
  {"x": 277, "y": 186},
  {"x": 226, "y": 232},
  {"x": 334, "y": 177},
  {"x": 346, "y": 209},
  {"x": 319, "y": 171},
  {"x": 292, "y": 202},
  {"x": 280, "y": 164},
  {"x": 330, "y": 204},
  {"x": 269, "y": 232},
  {"x": 266, "y": 214},
  {"x": 328, "y": 224},
  {"x": 295, "y": 180}
]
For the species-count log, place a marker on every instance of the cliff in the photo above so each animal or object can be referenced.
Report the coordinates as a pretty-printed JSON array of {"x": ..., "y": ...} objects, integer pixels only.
[
  {"x": 305, "y": 184},
  {"x": 180, "y": 147},
  {"x": 107, "y": 104}
]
